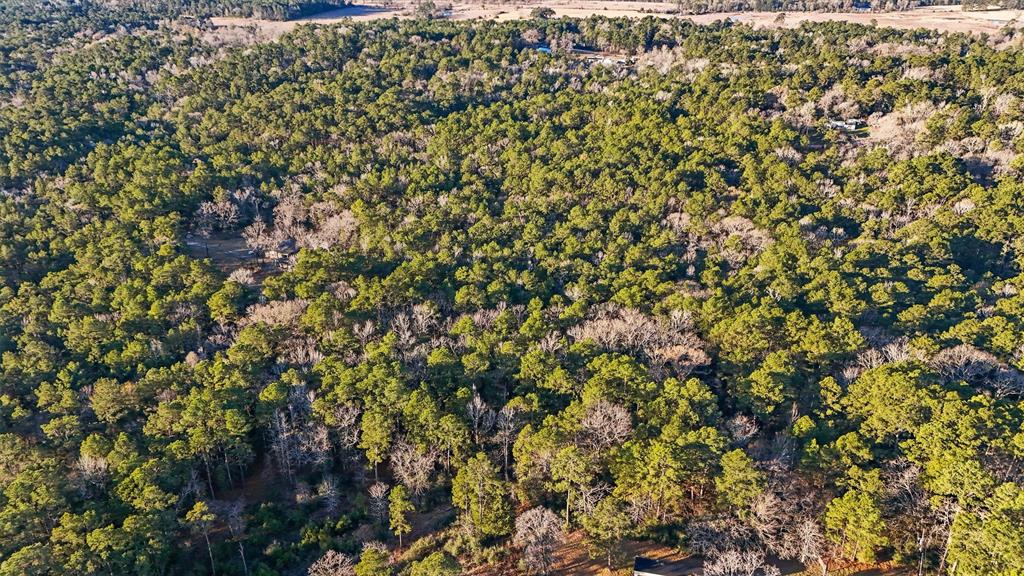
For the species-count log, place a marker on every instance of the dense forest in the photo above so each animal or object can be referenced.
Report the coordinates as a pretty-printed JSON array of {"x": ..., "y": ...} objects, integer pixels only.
[
  {"x": 427, "y": 298},
  {"x": 269, "y": 9}
]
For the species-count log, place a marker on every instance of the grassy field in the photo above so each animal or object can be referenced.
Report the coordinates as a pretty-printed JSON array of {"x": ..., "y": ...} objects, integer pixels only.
[{"x": 942, "y": 18}]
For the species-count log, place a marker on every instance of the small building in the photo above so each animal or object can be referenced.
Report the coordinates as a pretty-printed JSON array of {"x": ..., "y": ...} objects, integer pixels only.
[
  {"x": 849, "y": 124},
  {"x": 650, "y": 567},
  {"x": 283, "y": 249}
]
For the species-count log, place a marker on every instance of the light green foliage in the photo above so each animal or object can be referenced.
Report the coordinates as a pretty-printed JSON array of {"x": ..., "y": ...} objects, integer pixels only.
[
  {"x": 571, "y": 471},
  {"x": 740, "y": 482},
  {"x": 483, "y": 497},
  {"x": 769, "y": 386},
  {"x": 606, "y": 527},
  {"x": 854, "y": 520},
  {"x": 892, "y": 401},
  {"x": 32, "y": 560},
  {"x": 436, "y": 564},
  {"x": 398, "y": 511},
  {"x": 373, "y": 562},
  {"x": 991, "y": 539},
  {"x": 377, "y": 430},
  {"x": 227, "y": 303}
]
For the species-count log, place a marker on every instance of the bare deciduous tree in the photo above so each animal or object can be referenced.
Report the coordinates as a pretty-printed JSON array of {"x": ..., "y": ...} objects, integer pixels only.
[
  {"x": 93, "y": 469},
  {"x": 734, "y": 562},
  {"x": 921, "y": 523},
  {"x": 401, "y": 326},
  {"x": 978, "y": 367},
  {"x": 424, "y": 317},
  {"x": 805, "y": 542},
  {"x": 713, "y": 535},
  {"x": 344, "y": 420},
  {"x": 330, "y": 495},
  {"x": 743, "y": 428},
  {"x": 538, "y": 533},
  {"x": 481, "y": 418},
  {"x": 590, "y": 496},
  {"x": 257, "y": 237},
  {"x": 283, "y": 444},
  {"x": 379, "y": 501},
  {"x": 275, "y": 313},
  {"x": 235, "y": 515},
  {"x": 301, "y": 350},
  {"x": 964, "y": 362},
  {"x": 333, "y": 563},
  {"x": 508, "y": 424},
  {"x": 316, "y": 445},
  {"x": 767, "y": 517},
  {"x": 364, "y": 331},
  {"x": 665, "y": 342},
  {"x": 412, "y": 466},
  {"x": 604, "y": 425}
]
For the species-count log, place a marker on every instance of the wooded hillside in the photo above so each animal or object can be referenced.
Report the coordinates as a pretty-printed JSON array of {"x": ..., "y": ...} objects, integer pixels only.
[{"x": 420, "y": 297}]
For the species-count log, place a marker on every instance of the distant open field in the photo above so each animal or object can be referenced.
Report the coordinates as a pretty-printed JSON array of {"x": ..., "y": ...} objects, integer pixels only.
[{"x": 942, "y": 18}]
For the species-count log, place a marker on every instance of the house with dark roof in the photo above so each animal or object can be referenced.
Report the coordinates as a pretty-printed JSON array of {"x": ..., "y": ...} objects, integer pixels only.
[{"x": 650, "y": 567}]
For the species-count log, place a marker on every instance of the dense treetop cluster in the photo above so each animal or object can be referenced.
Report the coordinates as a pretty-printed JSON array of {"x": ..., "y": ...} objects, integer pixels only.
[
  {"x": 267, "y": 9},
  {"x": 420, "y": 297}
]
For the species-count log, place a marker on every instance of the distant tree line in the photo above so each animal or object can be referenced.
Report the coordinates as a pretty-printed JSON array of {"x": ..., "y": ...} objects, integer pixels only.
[
  {"x": 265, "y": 9},
  {"x": 711, "y": 6}
]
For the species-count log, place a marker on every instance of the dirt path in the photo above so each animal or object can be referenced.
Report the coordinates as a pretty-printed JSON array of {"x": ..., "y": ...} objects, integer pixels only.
[{"x": 941, "y": 18}]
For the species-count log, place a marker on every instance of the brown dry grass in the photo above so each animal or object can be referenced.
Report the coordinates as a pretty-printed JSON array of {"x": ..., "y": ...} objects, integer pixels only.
[{"x": 941, "y": 18}]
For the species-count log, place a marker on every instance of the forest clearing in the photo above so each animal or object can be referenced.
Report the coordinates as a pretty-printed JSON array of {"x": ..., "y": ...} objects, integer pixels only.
[{"x": 939, "y": 18}]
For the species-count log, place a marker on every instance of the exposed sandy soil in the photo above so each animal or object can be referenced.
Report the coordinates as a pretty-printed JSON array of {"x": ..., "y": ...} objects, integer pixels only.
[
  {"x": 573, "y": 559},
  {"x": 226, "y": 253},
  {"x": 942, "y": 18}
]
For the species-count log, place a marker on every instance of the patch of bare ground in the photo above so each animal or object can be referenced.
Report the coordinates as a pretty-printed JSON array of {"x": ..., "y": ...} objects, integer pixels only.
[
  {"x": 427, "y": 523},
  {"x": 859, "y": 569},
  {"x": 941, "y": 18},
  {"x": 573, "y": 557},
  {"x": 232, "y": 256},
  {"x": 228, "y": 254}
]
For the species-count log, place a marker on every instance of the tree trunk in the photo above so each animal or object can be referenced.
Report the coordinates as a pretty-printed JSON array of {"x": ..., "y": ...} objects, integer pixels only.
[
  {"x": 209, "y": 549},
  {"x": 504, "y": 450},
  {"x": 921, "y": 552},
  {"x": 945, "y": 548},
  {"x": 568, "y": 499},
  {"x": 209, "y": 476},
  {"x": 227, "y": 468}
]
